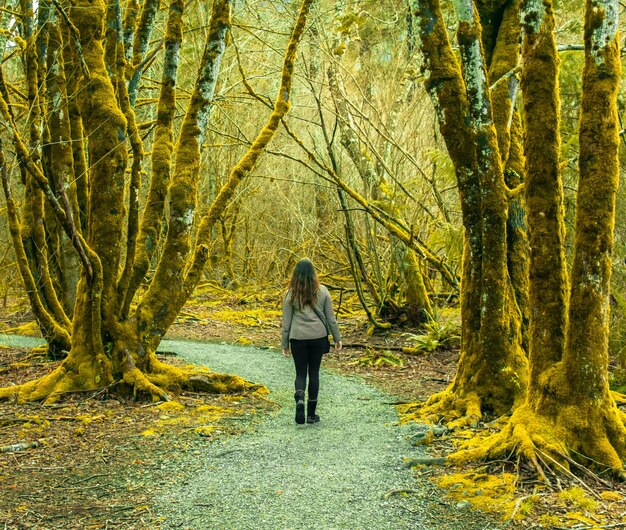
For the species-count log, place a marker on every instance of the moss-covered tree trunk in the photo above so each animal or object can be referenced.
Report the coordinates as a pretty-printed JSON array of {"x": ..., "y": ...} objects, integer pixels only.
[
  {"x": 569, "y": 413},
  {"x": 33, "y": 257},
  {"x": 475, "y": 124},
  {"x": 598, "y": 428},
  {"x": 110, "y": 339}
]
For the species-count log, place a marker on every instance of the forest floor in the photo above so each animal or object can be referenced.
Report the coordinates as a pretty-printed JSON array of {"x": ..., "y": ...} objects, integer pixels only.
[{"x": 99, "y": 461}]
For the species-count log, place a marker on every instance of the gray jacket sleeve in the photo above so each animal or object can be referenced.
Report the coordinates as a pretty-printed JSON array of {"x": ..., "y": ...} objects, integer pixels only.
[
  {"x": 286, "y": 322},
  {"x": 330, "y": 317}
]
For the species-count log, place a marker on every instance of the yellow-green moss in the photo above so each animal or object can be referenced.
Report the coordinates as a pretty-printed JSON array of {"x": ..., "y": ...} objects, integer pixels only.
[
  {"x": 249, "y": 317},
  {"x": 196, "y": 378},
  {"x": 71, "y": 62},
  {"x": 175, "y": 417},
  {"x": 379, "y": 358},
  {"x": 580, "y": 517},
  {"x": 506, "y": 54},
  {"x": 544, "y": 198},
  {"x": 577, "y": 498},
  {"x": 171, "y": 406},
  {"x": 204, "y": 430},
  {"x": 489, "y": 493},
  {"x": 105, "y": 127},
  {"x": 87, "y": 419},
  {"x": 599, "y": 173},
  {"x": 549, "y": 521},
  {"x": 162, "y": 151},
  {"x": 59, "y": 164},
  {"x": 611, "y": 496},
  {"x": 30, "y": 329}
]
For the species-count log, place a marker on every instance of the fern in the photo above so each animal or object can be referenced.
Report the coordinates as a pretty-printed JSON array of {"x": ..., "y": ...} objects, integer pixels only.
[{"x": 437, "y": 334}]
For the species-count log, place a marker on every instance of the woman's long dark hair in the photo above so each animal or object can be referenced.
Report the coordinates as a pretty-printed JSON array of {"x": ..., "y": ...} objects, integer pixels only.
[{"x": 304, "y": 284}]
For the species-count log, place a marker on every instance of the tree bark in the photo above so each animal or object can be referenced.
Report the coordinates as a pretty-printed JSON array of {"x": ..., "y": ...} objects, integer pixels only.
[
  {"x": 491, "y": 377},
  {"x": 569, "y": 413}
]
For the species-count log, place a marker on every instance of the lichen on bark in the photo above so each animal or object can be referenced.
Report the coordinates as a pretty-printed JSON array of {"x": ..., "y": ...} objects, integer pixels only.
[
  {"x": 569, "y": 414},
  {"x": 491, "y": 377},
  {"x": 155, "y": 314},
  {"x": 161, "y": 158}
]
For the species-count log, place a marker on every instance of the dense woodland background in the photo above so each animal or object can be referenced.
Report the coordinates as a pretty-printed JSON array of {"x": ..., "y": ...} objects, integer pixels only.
[{"x": 287, "y": 208}]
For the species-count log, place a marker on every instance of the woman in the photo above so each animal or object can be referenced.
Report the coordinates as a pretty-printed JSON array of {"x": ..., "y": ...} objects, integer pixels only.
[{"x": 308, "y": 319}]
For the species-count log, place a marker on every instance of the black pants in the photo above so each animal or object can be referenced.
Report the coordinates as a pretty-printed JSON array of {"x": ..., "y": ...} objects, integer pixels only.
[{"x": 307, "y": 356}]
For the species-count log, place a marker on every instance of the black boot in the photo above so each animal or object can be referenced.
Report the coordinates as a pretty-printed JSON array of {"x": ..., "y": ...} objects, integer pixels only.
[
  {"x": 311, "y": 417},
  {"x": 299, "y": 397}
]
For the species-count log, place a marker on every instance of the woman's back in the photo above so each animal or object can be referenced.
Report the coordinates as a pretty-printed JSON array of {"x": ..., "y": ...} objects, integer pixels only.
[{"x": 306, "y": 322}]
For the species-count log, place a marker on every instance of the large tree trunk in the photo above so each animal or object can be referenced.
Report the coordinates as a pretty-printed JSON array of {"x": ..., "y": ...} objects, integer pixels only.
[
  {"x": 111, "y": 343},
  {"x": 569, "y": 413},
  {"x": 492, "y": 372},
  {"x": 595, "y": 425}
]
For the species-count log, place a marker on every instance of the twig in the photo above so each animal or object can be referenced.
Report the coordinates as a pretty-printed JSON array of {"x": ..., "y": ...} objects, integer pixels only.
[
  {"x": 512, "y": 72},
  {"x": 83, "y": 488},
  {"x": 399, "y": 492},
  {"x": 372, "y": 346},
  {"x": 153, "y": 404},
  {"x": 588, "y": 471},
  {"x": 104, "y": 389},
  {"x": 570, "y": 48},
  {"x": 13, "y": 448},
  {"x": 593, "y": 527},
  {"x": 518, "y": 503},
  {"x": 569, "y": 473},
  {"x": 90, "y": 477}
]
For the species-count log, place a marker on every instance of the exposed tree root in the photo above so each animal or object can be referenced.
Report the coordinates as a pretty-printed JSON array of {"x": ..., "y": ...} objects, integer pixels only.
[
  {"x": 198, "y": 379},
  {"x": 49, "y": 387},
  {"x": 140, "y": 383},
  {"x": 159, "y": 382},
  {"x": 522, "y": 436},
  {"x": 595, "y": 441},
  {"x": 447, "y": 406},
  {"x": 620, "y": 399}
]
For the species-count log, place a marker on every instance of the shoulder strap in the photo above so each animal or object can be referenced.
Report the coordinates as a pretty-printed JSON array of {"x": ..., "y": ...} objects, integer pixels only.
[{"x": 321, "y": 317}]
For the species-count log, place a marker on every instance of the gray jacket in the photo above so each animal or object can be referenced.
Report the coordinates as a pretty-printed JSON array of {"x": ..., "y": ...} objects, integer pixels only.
[{"x": 304, "y": 323}]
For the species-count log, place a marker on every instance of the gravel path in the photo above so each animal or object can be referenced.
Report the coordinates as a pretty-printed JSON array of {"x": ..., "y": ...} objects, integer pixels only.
[
  {"x": 335, "y": 474},
  {"x": 338, "y": 474}
]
